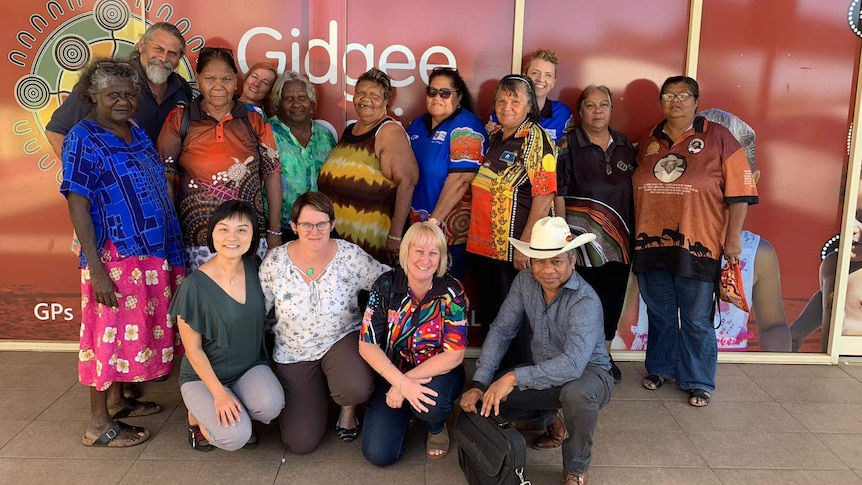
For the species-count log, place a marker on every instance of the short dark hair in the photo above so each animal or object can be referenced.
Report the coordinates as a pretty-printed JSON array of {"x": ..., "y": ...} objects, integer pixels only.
[
  {"x": 234, "y": 209},
  {"x": 99, "y": 72},
  {"x": 510, "y": 85},
  {"x": 316, "y": 200},
  {"x": 457, "y": 82},
  {"x": 688, "y": 81},
  {"x": 209, "y": 54},
  {"x": 379, "y": 77}
]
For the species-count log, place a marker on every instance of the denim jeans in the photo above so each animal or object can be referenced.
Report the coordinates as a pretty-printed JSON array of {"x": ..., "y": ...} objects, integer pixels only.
[
  {"x": 580, "y": 400},
  {"x": 681, "y": 343},
  {"x": 385, "y": 428}
]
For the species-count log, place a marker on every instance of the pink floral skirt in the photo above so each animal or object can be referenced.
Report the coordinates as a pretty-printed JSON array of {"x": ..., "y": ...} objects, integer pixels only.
[{"x": 135, "y": 342}]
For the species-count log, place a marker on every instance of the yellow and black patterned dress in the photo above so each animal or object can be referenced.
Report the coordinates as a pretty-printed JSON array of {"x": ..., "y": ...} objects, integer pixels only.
[{"x": 364, "y": 199}]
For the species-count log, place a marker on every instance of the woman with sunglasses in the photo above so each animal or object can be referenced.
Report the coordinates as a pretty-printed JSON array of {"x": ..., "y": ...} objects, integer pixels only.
[
  {"x": 514, "y": 188},
  {"x": 131, "y": 256},
  {"x": 371, "y": 172},
  {"x": 313, "y": 284},
  {"x": 214, "y": 150},
  {"x": 449, "y": 143},
  {"x": 692, "y": 186}
]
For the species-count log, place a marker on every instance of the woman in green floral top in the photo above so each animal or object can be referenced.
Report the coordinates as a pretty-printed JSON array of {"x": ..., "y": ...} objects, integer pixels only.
[{"x": 303, "y": 143}]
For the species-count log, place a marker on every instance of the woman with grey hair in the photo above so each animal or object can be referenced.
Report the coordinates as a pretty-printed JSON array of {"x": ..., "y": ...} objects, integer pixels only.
[
  {"x": 303, "y": 143},
  {"x": 594, "y": 194},
  {"x": 131, "y": 258}
]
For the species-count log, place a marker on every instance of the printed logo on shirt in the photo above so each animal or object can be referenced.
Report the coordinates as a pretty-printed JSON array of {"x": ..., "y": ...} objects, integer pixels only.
[
  {"x": 695, "y": 146},
  {"x": 669, "y": 168},
  {"x": 653, "y": 148},
  {"x": 413, "y": 137},
  {"x": 439, "y": 135},
  {"x": 508, "y": 157}
]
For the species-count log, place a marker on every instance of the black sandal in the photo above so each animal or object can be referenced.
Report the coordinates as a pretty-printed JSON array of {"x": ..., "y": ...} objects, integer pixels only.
[
  {"x": 698, "y": 394},
  {"x": 197, "y": 440},
  {"x": 652, "y": 382},
  {"x": 252, "y": 442},
  {"x": 347, "y": 434}
]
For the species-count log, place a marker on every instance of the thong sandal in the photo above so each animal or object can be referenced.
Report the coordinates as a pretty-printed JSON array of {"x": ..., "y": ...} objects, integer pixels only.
[
  {"x": 652, "y": 382},
  {"x": 437, "y": 442},
  {"x": 136, "y": 409},
  {"x": 111, "y": 437},
  {"x": 695, "y": 394},
  {"x": 197, "y": 440}
]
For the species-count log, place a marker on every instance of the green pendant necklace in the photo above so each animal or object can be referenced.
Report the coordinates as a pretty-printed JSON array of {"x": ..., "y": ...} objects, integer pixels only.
[{"x": 310, "y": 271}]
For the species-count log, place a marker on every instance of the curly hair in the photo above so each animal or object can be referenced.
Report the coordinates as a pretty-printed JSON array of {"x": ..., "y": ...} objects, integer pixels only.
[
  {"x": 288, "y": 77},
  {"x": 97, "y": 75}
]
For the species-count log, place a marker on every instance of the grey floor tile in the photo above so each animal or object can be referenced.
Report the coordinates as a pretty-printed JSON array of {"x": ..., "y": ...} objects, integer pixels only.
[
  {"x": 171, "y": 443},
  {"x": 26, "y": 404},
  {"x": 74, "y": 405},
  {"x": 631, "y": 388},
  {"x": 726, "y": 449},
  {"x": 791, "y": 370},
  {"x": 852, "y": 369},
  {"x": 361, "y": 473},
  {"x": 333, "y": 449},
  {"x": 26, "y": 471},
  {"x": 38, "y": 377},
  {"x": 787, "y": 477},
  {"x": 636, "y": 416},
  {"x": 650, "y": 476},
  {"x": 812, "y": 389},
  {"x": 44, "y": 358},
  {"x": 654, "y": 449},
  {"x": 8, "y": 430},
  {"x": 733, "y": 416},
  {"x": 60, "y": 439},
  {"x": 728, "y": 370},
  {"x": 820, "y": 417},
  {"x": 445, "y": 471},
  {"x": 846, "y": 446},
  {"x": 737, "y": 388},
  {"x": 195, "y": 472}
]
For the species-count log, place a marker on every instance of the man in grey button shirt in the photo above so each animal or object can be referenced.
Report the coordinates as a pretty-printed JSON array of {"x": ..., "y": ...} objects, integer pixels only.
[{"x": 570, "y": 367}]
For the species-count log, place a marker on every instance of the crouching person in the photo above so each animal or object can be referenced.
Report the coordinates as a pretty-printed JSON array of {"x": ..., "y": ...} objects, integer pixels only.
[{"x": 570, "y": 364}]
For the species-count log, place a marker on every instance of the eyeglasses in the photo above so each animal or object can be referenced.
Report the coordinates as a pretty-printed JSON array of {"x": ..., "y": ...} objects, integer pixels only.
[
  {"x": 444, "y": 93},
  {"x": 320, "y": 226},
  {"x": 113, "y": 64},
  {"x": 683, "y": 97}
]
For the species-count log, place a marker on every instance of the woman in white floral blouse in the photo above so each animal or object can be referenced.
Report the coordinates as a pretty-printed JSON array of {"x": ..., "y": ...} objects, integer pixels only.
[{"x": 313, "y": 283}]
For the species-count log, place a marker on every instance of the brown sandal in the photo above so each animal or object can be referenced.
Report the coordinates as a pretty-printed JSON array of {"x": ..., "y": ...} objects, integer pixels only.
[{"x": 437, "y": 442}]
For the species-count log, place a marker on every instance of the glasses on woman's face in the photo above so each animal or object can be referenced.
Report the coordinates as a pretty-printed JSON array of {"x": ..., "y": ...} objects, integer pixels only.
[
  {"x": 444, "y": 93},
  {"x": 320, "y": 226},
  {"x": 682, "y": 97}
]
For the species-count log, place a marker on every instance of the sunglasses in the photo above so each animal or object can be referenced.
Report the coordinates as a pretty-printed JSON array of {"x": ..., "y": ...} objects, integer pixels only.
[{"x": 444, "y": 93}]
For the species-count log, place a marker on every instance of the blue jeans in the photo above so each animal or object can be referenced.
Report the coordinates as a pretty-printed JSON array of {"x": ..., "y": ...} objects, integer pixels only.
[
  {"x": 681, "y": 343},
  {"x": 385, "y": 428}
]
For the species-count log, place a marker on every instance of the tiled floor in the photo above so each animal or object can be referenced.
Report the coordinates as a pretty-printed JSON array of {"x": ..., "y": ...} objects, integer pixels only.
[{"x": 787, "y": 424}]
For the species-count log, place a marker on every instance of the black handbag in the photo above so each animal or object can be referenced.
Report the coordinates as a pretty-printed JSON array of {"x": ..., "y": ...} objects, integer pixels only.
[{"x": 490, "y": 450}]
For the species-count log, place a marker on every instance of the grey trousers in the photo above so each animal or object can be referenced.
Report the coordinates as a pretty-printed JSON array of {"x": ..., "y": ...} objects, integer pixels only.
[
  {"x": 580, "y": 401},
  {"x": 257, "y": 390}
]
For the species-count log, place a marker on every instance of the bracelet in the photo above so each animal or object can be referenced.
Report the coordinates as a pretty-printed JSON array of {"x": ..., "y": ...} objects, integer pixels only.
[
  {"x": 394, "y": 238},
  {"x": 399, "y": 384},
  {"x": 384, "y": 368},
  {"x": 274, "y": 233}
]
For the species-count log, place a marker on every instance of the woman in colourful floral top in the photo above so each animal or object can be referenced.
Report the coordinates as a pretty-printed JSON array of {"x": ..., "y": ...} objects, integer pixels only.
[
  {"x": 313, "y": 284},
  {"x": 413, "y": 335},
  {"x": 303, "y": 143}
]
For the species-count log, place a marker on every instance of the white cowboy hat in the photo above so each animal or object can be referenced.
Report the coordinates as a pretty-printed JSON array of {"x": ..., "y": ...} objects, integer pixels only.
[{"x": 551, "y": 236}]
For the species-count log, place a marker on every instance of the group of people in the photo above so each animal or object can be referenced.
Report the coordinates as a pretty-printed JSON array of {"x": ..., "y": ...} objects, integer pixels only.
[{"x": 197, "y": 217}]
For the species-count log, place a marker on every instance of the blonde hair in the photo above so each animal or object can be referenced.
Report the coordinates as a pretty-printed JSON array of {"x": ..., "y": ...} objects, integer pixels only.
[
  {"x": 545, "y": 55},
  {"x": 424, "y": 233}
]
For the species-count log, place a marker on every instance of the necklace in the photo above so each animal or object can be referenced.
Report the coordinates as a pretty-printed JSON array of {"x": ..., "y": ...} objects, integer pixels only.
[{"x": 310, "y": 271}]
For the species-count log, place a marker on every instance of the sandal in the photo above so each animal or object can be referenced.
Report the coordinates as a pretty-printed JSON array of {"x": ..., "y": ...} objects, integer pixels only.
[
  {"x": 136, "y": 409},
  {"x": 197, "y": 440},
  {"x": 437, "y": 442},
  {"x": 695, "y": 394},
  {"x": 111, "y": 437},
  {"x": 652, "y": 382},
  {"x": 347, "y": 434}
]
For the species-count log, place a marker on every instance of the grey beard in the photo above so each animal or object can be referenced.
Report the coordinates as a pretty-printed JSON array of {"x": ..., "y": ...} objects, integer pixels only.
[{"x": 157, "y": 74}]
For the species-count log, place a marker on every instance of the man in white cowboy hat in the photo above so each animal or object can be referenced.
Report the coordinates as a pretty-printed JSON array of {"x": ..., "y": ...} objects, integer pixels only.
[{"x": 571, "y": 366}]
